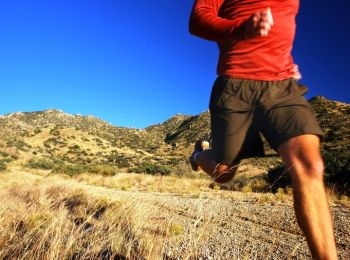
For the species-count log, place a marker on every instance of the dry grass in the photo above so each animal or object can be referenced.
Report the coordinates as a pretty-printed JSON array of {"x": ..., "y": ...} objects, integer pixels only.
[
  {"x": 44, "y": 216},
  {"x": 147, "y": 183},
  {"x": 337, "y": 198},
  {"x": 56, "y": 222},
  {"x": 54, "y": 218}
]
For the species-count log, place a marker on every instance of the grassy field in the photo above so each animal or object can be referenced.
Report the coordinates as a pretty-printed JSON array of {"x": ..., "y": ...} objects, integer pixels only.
[{"x": 137, "y": 216}]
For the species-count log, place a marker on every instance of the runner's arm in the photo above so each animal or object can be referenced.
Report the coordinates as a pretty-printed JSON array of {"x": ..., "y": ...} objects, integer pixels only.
[{"x": 206, "y": 23}]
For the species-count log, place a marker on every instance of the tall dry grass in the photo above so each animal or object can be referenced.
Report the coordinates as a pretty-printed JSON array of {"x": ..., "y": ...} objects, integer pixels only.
[
  {"x": 92, "y": 217},
  {"x": 60, "y": 223},
  {"x": 148, "y": 183},
  {"x": 43, "y": 220},
  {"x": 57, "y": 218}
]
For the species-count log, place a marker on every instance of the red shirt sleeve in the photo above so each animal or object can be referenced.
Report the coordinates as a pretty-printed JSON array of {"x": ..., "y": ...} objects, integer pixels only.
[{"x": 206, "y": 23}]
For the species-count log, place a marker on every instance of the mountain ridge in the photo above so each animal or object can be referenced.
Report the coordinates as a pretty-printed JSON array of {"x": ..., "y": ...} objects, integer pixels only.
[
  {"x": 53, "y": 133},
  {"x": 318, "y": 99}
]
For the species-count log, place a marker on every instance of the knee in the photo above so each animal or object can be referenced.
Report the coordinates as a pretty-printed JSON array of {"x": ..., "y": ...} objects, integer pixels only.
[
  {"x": 309, "y": 170},
  {"x": 224, "y": 173},
  {"x": 302, "y": 157}
]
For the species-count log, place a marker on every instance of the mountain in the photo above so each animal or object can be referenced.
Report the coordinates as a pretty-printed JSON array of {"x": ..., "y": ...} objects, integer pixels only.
[
  {"x": 183, "y": 129},
  {"x": 334, "y": 119},
  {"x": 55, "y": 135}
]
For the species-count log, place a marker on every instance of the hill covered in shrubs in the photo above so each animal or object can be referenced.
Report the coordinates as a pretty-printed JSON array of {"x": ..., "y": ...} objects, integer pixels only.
[{"x": 58, "y": 141}]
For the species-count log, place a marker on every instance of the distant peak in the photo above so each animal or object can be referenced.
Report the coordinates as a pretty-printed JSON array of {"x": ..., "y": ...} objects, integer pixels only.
[
  {"x": 318, "y": 98},
  {"x": 53, "y": 110},
  {"x": 18, "y": 113}
]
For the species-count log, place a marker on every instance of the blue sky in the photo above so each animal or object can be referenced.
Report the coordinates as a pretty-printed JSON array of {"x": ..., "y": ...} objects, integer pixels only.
[{"x": 133, "y": 63}]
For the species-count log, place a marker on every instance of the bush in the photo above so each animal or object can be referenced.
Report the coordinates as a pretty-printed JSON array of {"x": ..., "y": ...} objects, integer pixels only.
[
  {"x": 74, "y": 147},
  {"x": 279, "y": 177},
  {"x": 4, "y": 154},
  {"x": 174, "y": 161},
  {"x": 71, "y": 169},
  {"x": 250, "y": 184},
  {"x": 337, "y": 171},
  {"x": 3, "y": 166},
  {"x": 37, "y": 131},
  {"x": 3, "y": 163},
  {"x": 183, "y": 169},
  {"x": 163, "y": 169},
  {"x": 76, "y": 169},
  {"x": 150, "y": 168},
  {"x": 19, "y": 144},
  {"x": 43, "y": 164},
  {"x": 103, "y": 169},
  {"x": 118, "y": 159}
]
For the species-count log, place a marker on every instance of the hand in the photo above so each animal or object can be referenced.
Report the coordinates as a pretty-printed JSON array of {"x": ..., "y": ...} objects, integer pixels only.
[
  {"x": 259, "y": 24},
  {"x": 296, "y": 72}
]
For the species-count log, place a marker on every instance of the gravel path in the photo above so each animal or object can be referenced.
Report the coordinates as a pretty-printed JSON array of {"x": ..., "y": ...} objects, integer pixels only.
[
  {"x": 244, "y": 228},
  {"x": 223, "y": 224}
]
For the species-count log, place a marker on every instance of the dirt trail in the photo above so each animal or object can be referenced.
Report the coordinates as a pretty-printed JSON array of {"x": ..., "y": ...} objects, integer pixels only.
[{"x": 238, "y": 226}]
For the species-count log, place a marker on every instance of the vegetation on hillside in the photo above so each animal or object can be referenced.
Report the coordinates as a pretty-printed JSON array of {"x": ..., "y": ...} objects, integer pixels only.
[
  {"x": 75, "y": 187},
  {"x": 337, "y": 172},
  {"x": 75, "y": 144}
]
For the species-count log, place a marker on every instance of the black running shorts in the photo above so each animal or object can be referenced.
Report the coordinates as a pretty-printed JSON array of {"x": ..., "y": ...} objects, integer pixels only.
[{"x": 241, "y": 109}]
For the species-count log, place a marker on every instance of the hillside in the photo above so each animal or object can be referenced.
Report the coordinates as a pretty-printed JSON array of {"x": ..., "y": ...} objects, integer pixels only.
[
  {"x": 73, "y": 187},
  {"x": 65, "y": 138},
  {"x": 334, "y": 118}
]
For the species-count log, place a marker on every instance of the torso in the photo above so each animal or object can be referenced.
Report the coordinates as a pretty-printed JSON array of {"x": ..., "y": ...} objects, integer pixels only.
[{"x": 262, "y": 58}]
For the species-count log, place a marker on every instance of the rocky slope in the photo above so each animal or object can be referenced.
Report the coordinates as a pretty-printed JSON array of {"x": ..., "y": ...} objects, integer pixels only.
[
  {"x": 334, "y": 118},
  {"x": 84, "y": 139}
]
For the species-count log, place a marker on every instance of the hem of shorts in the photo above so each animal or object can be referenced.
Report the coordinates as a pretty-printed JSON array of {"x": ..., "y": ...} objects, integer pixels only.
[
  {"x": 238, "y": 159},
  {"x": 222, "y": 162}
]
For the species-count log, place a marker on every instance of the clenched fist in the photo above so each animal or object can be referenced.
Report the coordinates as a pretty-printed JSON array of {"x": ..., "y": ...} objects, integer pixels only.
[{"x": 259, "y": 24}]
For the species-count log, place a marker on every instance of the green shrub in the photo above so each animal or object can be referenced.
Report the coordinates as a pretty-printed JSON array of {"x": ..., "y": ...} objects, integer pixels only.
[
  {"x": 122, "y": 162},
  {"x": 6, "y": 160},
  {"x": 71, "y": 169},
  {"x": 19, "y": 144},
  {"x": 37, "y": 131},
  {"x": 337, "y": 171},
  {"x": 43, "y": 164},
  {"x": 76, "y": 169},
  {"x": 279, "y": 177},
  {"x": 4, "y": 154},
  {"x": 257, "y": 183},
  {"x": 74, "y": 147},
  {"x": 55, "y": 131},
  {"x": 183, "y": 169},
  {"x": 174, "y": 161},
  {"x": 3, "y": 167},
  {"x": 247, "y": 189},
  {"x": 3, "y": 163},
  {"x": 102, "y": 169},
  {"x": 98, "y": 140},
  {"x": 150, "y": 168},
  {"x": 163, "y": 169},
  {"x": 118, "y": 159}
]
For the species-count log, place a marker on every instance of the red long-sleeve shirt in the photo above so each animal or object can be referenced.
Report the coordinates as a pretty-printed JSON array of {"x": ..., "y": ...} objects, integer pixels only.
[{"x": 261, "y": 58}]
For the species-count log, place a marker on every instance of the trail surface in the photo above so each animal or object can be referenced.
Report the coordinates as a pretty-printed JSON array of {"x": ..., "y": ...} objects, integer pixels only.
[{"x": 221, "y": 224}]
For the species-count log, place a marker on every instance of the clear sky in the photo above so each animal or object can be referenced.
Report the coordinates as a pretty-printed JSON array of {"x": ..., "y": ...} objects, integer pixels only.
[{"x": 133, "y": 63}]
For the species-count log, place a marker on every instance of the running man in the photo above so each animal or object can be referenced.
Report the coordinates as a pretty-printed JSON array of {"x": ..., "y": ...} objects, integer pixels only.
[{"x": 256, "y": 92}]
